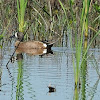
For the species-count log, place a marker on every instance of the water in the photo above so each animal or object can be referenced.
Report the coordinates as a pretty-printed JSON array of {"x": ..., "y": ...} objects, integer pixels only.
[{"x": 29, "y": 78}]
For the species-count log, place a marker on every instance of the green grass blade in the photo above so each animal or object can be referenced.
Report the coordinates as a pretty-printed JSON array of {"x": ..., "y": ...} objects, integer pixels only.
[
  {"x": 18, "y": 10},
  {"x": 90, "y": 45}
]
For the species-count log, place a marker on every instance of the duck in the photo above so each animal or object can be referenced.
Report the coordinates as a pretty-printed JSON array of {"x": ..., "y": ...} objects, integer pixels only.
[{"x": 30, "y": 44}]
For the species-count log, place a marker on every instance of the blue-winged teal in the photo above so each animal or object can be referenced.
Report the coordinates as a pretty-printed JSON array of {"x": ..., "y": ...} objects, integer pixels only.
[{"x": 31, "y": 44}]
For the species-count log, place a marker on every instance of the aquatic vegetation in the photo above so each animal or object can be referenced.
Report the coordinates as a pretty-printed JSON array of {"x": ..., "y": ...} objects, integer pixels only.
[
  {"x": 79, "y": 59},
  {"x": 74, "y": 19},
  {"x": 81, "y": 36},
  {"x": 21, "y": 6},
  {"x": 96, "y": 6},
  {"x": 79, "y": 43}
]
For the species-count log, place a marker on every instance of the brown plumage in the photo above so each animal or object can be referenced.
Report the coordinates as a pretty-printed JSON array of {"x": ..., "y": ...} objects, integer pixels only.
[
  {"x": 31, "y": 45},
  {"x": 31, "y": 51}
]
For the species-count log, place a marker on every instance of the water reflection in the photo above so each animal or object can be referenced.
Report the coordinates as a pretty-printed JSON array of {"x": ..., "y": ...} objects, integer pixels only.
[
  {"x": 93, "y": 89},
  {"x": 31, "y": 76},
  {"x": 76, "y": 93},
  {"x": 19, "y": 91},
  {"x": 34, "y": 51},
  {"x": 83, "y": 76},
  {"x": 21, "y": 80},
  {"x": 0, "y": 77},
  {"x": 1, "y": 57}
]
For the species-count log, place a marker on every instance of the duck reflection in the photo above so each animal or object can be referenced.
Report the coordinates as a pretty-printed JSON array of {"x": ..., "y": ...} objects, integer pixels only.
[
  {"x": 19, "y": 56},
  {"x": 34, "y": 51}
]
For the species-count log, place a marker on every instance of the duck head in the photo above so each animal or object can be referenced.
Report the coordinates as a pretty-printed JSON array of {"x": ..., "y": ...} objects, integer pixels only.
[{"x": 18, "y": 35}]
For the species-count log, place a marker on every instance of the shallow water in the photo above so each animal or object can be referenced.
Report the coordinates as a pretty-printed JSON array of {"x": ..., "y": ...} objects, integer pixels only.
[{"x": 29, "y": 78}]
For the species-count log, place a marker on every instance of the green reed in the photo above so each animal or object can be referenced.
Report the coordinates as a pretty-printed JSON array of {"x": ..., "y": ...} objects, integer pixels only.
[
  {"x": 21, "y": 6},
  {"x": 65, "y": 14},
  {"x": 76, "y": 94},
  {"x": 79, "y": 41},
  {"x": 78, "y": 45},
  {"x": 84, "y": 17},
  {"x": 79, "y": 58}
]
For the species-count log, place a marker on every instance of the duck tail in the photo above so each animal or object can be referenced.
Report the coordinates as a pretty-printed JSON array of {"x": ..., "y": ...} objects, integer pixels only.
[{"x": 49, "y": 46}]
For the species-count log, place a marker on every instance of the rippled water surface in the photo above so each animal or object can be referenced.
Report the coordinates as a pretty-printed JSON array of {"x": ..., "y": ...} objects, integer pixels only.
[{"x": 29, "y": 78}]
